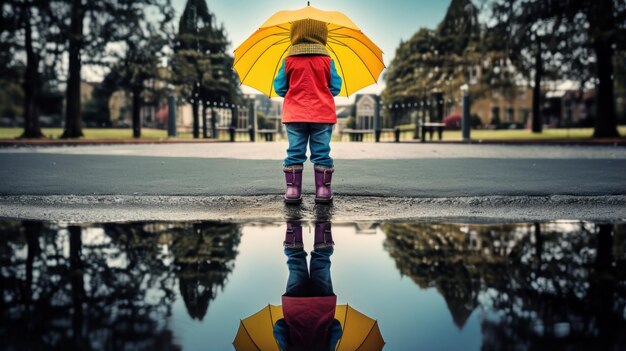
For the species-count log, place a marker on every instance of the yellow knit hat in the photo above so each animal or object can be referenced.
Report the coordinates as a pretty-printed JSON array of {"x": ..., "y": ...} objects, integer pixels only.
[{"x": 308, "y": 37}]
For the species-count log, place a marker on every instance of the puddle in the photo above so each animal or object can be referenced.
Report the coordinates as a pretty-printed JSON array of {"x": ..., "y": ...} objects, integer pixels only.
[{"x": 429, "y": 286}]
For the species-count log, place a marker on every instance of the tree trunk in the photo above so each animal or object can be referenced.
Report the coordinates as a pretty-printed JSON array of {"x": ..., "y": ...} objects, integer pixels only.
[
  {"x": 77, "y": 282},
  {"x": 73, "y": 123},
  {"x": 31, "y": 86},
  {"x": 32, "y": 230},
  {"x": 136, "y": 111},
  {"x": 205, "y": 131},
  {"x": 537, "y": 121},
  {"x": 605, "y": 126},
  {"x": 603, "y": 288}
]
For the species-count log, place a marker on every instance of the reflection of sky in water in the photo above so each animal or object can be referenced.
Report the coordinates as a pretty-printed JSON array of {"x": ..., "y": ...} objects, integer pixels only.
[
  {"x": 363, "y": 275},
  {"x": 430, "y": 286}
]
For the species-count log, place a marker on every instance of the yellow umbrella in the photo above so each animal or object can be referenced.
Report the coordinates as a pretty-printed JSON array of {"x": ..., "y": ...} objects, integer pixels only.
[
  {"x": 359, "y": 331},
  {"x": 358, "y": 60}
]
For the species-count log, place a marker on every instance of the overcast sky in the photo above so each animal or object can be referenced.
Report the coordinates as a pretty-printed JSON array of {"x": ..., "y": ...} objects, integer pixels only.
[{"x": 386, "y": 22}]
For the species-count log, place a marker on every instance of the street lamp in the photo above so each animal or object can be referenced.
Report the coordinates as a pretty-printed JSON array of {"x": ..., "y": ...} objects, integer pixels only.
[
  {"x": 171, "y": 111},
  {"x": 465, "y": 121}
]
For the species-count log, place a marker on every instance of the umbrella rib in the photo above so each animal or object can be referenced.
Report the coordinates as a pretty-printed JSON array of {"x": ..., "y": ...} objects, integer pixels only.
[
  {"x": 368, "y": 334},
  {"x": 345, "y": 322},
  {"x": 257, "y": 42},
  {"x": 338, "y": 28},
  {"x": 272, "y": 319},
  {"x": 276, "y": 69},
  {"x": 341, "y": 69},
  {"x": 357, "y": 55},
  {"x": 259, "y": 57},
  {"x": 246, "y": 329},
  {"x": 367, "y": 46}
]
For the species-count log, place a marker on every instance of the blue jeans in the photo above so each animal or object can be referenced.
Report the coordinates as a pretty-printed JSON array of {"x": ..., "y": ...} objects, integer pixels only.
[
  {"x": 317, "y": 135},
  {"x": 302, "y": 284}
]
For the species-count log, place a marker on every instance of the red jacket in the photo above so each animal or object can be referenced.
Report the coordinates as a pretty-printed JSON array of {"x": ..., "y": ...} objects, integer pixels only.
[
  {"x": 308, "y": 83},
  {"x": 309, "y": 319}
]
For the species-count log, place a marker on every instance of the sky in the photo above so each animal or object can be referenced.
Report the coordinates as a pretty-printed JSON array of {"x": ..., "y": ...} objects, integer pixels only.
[{"x": 386, "y": 22}]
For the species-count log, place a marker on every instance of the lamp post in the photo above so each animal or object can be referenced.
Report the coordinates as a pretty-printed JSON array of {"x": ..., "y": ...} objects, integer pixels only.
[
  {"x": 465, "y": 121},
  {"x": 171, "y": 112}
]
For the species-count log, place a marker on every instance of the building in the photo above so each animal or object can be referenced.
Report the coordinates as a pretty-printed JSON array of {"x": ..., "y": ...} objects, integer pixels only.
[
  {"x": 567, "y": 108},
  {"x": 365, "y": 105},
  {"x": 499, "y": 107},
  {"x": 344, "y": 113}
]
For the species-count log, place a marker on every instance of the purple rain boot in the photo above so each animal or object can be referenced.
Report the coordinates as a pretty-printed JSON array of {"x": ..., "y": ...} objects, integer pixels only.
[
  {"x": 293, "y": 235},
  {"x": 293, "y": 178},
  {"x": 323, "y": 178},
  {"x": 323, "y": 235}
]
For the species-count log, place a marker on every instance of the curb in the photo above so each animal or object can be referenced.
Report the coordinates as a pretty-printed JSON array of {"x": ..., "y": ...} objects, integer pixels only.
[{"x": 263, "y": 208}]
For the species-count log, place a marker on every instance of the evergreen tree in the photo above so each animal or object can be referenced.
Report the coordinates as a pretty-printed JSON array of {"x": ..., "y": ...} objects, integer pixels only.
[
  {"x": 434, "y": 60},
  {"x": 201, "y": 66}
]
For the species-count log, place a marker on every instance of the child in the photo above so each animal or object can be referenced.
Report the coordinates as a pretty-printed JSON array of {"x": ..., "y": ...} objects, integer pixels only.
[
  {"x": 308, "y": 81},
  {"x": 309, "y": 302}
]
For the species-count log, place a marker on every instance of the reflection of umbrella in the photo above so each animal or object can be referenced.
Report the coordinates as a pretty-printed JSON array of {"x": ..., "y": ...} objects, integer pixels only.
[
  {"x": 359, "y": 331},
  {"x": 359, "y": 61}
]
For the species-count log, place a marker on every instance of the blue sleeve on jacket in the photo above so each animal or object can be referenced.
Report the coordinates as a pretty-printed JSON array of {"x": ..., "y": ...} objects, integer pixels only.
[
  {"x": 281, "y": 85},
  {"x": 335, "y": 79},
  {"x": 335, "y": 334},
  {"x": 281, "y": 330}
]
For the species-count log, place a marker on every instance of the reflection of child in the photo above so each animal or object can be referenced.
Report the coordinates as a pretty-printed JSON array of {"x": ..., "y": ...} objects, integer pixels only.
[
  {"x": 308, "y": 80},
  {"x": 309, "y": 301}
]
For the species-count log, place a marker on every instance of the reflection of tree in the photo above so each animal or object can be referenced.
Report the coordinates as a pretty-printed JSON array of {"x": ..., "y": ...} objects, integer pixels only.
[
  {"x": 111, "y": 287},
  {"x": 433, "y": 256},
  {"x": 205, "y": 257},
  {"x": 541, "y": 287}
]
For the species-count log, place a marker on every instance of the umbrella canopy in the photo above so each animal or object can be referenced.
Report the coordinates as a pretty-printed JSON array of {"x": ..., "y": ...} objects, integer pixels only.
[
  {"x": 358, "y": 60},
  {"x": 360, "y": 332}
]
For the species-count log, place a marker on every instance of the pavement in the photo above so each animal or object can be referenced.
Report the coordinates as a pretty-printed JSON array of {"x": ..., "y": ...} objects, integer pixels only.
[{"x": 384, "y": 181}]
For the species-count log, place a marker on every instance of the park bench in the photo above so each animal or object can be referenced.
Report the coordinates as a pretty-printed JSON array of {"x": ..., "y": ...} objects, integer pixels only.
[
  {"x": 268, "y": 134},
  {"x": 430, "y": 127},
  {"x": 357, "y": 134},
  {"x": 395, "y": 131}
]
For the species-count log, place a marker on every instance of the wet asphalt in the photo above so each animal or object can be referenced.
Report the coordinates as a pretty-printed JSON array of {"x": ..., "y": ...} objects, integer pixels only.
[
  {"x": 371, "y": 182},
  {"x": 72, "y": 174}
]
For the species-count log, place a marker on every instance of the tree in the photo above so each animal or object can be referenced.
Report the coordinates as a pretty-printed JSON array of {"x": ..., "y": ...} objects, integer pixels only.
[
  {"x": 88, "y": 27},
  {"x": 26, "y": 28},
  {"x": 200, "y": 64},
  {"x": 527, "y": 280},
  {"x": 583, "y": 37},
  {"x": 113, "y": 286},
  {"x": 535, "y": 45},
  {"x": 139, "y": 63},
  {"x": 434, "y": 60}
]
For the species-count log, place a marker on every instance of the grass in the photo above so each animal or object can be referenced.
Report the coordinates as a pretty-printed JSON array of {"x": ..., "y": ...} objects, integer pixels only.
[
  {"x": 407, "y": 134},
  {"x": 517, "y": 134},
  {"x": 524, "y": 134},
  {"x": 96, "y": 133}
]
